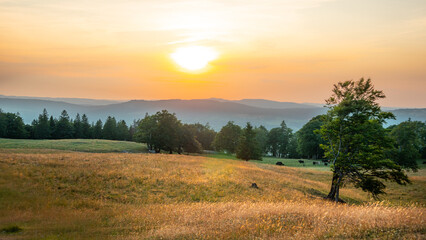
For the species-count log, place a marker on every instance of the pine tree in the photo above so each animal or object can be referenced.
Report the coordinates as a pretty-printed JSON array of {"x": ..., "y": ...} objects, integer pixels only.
[
  {"x": 41, "y": 126},
  {"x": 78, "y": 128},
  {"x": 64, "y": 128},
  {"x": 97, "y": 130},
  {"x": 52, "y": 127},
  {"x": 122, "y": 131},
  {"x": 248, "y": 148},
  {"x": 110, "y": 128},
  {"x": 85, "y": 127}
]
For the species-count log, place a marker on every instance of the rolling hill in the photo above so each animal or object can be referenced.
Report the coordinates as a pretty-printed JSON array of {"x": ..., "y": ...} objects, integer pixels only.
[{"x": 216, "y": 112}]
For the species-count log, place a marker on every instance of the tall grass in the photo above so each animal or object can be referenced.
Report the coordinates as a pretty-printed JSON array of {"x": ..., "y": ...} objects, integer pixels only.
[{"x": 70, "y": 195}]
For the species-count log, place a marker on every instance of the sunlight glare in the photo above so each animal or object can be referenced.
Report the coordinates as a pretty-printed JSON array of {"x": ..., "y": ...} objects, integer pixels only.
[{"x": 194, "y": 57}]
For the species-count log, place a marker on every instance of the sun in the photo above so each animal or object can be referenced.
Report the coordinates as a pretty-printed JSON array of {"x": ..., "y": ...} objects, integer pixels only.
[{"x": 194, "y": 58}]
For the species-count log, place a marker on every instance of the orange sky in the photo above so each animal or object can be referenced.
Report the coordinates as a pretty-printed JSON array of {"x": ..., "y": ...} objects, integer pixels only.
[{"x": 273, "y": 49}]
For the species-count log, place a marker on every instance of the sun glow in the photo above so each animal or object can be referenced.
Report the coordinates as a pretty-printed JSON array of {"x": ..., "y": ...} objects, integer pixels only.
[{"x": 194, "y": 58}]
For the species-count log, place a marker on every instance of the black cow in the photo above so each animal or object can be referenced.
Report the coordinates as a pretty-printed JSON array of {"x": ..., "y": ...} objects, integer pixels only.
[
  {"x": 279, "y": 164},
  {"x": 301, "y": 161}
]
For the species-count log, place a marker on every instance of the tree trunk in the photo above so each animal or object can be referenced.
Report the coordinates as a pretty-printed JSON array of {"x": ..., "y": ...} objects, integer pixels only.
[{"x": 333, "y": 195}]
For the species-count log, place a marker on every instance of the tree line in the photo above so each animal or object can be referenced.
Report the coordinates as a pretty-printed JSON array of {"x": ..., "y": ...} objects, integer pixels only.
[
  {"x": 63, "y": 127},
  {"x": 163, "y": 131}
]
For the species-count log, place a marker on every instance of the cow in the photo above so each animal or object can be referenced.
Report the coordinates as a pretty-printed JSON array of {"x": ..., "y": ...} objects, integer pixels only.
[
  {"x": 301, "y": 161},
  {"x": 254, "y": 185},
  {"x": 279, "y": 164}
]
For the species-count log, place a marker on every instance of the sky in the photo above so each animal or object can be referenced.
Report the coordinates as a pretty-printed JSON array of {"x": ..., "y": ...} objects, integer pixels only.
[{"x": 271, "y": 49}]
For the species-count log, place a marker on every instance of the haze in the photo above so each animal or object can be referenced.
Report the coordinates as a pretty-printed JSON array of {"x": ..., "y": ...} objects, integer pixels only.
[{"x": 271, "y": 49}]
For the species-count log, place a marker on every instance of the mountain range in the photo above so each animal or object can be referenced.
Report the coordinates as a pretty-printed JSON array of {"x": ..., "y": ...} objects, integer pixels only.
[{"x": 214, "y": 111}]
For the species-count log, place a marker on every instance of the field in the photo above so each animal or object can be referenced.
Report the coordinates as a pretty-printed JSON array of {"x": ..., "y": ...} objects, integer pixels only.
[
  {"x": 81, "y": 145},
  {"x": 63, "y": 194}
]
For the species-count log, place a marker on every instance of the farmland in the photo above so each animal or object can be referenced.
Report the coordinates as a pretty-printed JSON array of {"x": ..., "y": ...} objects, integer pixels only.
[{"x": 53, "y": 193}]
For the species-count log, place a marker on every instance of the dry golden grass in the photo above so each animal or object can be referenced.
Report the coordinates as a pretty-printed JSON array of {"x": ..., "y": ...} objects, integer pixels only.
[{"x": 68, "y": 195}]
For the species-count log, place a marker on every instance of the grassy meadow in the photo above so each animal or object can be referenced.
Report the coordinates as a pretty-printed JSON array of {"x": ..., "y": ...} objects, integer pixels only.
[
  {"x": 80, "y": 145},
  {"x": 103, "y": 194}
]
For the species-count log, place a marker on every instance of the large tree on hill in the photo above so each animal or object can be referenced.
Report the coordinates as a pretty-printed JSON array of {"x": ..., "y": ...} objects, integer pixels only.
[
  {"x": 228, "y": 137},
  {"x": 248, "y": 147},
  {"x": 356, "y": 142}
]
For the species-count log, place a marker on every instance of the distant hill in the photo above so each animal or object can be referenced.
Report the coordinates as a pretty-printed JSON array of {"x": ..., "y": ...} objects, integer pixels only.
[
  {"x": 81, "y": 101},
  {"x": 216, "y": 112}
]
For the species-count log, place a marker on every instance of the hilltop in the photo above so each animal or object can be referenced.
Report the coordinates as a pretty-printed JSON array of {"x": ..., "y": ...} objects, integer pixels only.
[{"x": 216, "y": 112}]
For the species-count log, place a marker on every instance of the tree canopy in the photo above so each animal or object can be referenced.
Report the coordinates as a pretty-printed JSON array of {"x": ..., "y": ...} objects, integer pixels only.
[
  {"x": 248, "y": 146},
  {"x": 356, "y": 142}
]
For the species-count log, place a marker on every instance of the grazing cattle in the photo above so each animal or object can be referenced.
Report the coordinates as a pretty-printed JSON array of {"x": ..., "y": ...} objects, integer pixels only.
[
  {"x": 279, "y": 164},
  {"x": 301, "y": 161},
  {"x": 254, "y": 185},
  {"x": 325, "y": 164},
  {"x": 314, "y": 163}
]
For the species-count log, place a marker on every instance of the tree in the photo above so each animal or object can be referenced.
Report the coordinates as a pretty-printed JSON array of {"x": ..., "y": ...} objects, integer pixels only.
[
  {"x": 145, "y": 131},
  {"x": 15, "y": 127},
  {"x": 64, "y": 128},
  {"x": 274, "y": 141},
  {"x": 356, "y": 141},
  {"x": 409, "y": 143},
  {"x": 85, "y": 127},
  {"x": 309, "y": 139},
  {"x": 122, "y": 131},
  {"x": 52, "y": 126},
  {"x": 41, "y": 127},
  {"x": 189, "y": 142},
  {"x": 285, "y": 139},
  {"x": 166, "y": 135},
  {"x": 292, "y": 146},
  {"x": 109, "y": 130},
  {"x": 97, "y": 130},
  {"x": 228, "y": 137},
  {"x": 204, "y": 135},
  {"x": 3, "y": 124},
  {"x": 160, "y": 132},
  {"x": 262, "y": 138},
  {"x": 78, "y": 128},
  {"x": 248, "y": 147}
]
